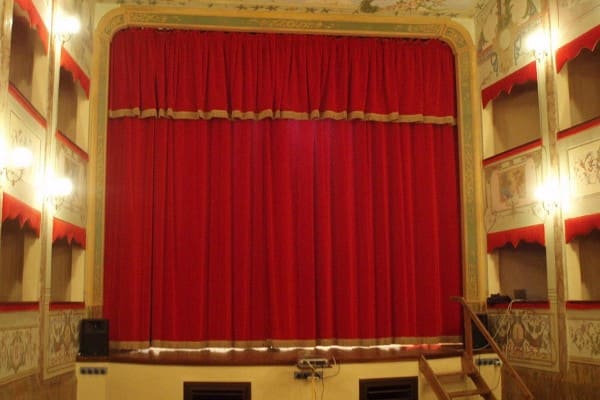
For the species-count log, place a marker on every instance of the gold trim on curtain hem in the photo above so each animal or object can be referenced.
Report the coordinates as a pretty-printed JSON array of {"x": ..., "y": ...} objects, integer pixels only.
[{"x": 278, "y": 114}]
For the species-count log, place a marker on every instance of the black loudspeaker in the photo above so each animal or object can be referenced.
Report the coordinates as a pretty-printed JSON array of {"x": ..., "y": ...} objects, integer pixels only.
[
  {"x": 93, "y": 338},
  {"x": 479, "y": 341}
]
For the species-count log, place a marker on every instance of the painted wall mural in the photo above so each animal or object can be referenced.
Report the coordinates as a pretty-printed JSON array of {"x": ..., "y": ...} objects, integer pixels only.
[
  {"x": 583, "y": 335},
  {"x": 80, "y": 46},
  {"x": 526, "y": 336},
  {"x": 71, "y": 164},
  {"x": 579, "y": 157},
  {"x": 19, "y": 349},
  {"x": 501, "y": 28},
  {"x": 449, "y": 8},
  {"x": 510, "y": 186},
  {"x": 584, "y": 169},
  {"x": 24, "y": 131},
  {"x": 63, "y": 340}
]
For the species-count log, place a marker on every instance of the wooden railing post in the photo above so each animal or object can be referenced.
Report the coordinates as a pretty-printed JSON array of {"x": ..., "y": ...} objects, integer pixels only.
[{"x": 468, "y": 336}]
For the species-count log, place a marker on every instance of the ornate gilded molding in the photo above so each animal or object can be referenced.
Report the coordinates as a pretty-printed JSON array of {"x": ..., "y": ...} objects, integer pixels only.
[{"x": 360, "y": 25}]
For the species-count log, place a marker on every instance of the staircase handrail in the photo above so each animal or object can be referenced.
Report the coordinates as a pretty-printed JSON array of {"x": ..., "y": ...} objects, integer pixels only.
[{"x": 469, "y": 315}]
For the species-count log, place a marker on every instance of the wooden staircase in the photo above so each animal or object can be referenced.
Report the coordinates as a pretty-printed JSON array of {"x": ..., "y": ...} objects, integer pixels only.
[
  {"x": 468, "y": 368},
  {"x": 469, "y": 371}
]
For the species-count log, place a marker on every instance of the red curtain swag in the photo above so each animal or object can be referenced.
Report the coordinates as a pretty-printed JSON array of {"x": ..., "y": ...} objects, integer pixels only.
[
  {"x": 569, "y": 51},
  {"x": 69, "y": 63},
  {"x": 35, "y": 20},
  {"x": 525, "y": 74},
  {"x": 580, "y": 226},
  {"x": 237, "y": 232},
  {"x": 71, "y": 233},
  {"x": 256, "y": 76},
  {"x": 530, "y": 234},
  {"x": 29, "y": 217}
]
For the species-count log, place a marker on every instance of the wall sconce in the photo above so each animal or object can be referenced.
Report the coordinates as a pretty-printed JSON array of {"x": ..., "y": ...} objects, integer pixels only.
[
  {"x": 66, "y": 26},
  {"x": 552, "y": 196},
  {"x": 57, "y": 190},
  {"x": 13, "y": 163},
  {"x": 537, "y": 44}
]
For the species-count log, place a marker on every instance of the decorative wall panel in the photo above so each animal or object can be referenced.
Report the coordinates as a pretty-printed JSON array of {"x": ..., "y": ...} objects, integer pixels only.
[
  {"x": 500, "y": 31},
  {"x": 526, "y": 336},
  {"x": 19, "y": 345},
  {"x": 70, "y": 164},
  {"x": 62, "y": 340},
  {"x": 510, "y": 186}
]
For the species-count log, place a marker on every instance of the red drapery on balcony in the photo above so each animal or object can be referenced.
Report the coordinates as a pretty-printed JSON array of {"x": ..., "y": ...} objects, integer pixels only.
[
  {"x": 35, "y": 19},
  {"x": 529, "y": 234},
  {"x": 527, "y": 73},
  {"x": 569, "y": 51},
  {"x": 68, "y": 231},
  {"x": 281, "y": 201},
  {"x": 27, "y": 216},
  {"x": 71, "y": 65},
  {"x": 580, "y": 226}
]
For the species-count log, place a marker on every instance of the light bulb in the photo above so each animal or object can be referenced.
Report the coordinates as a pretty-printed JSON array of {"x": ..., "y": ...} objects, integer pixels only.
[
  {"x": 67, "y": 25},
  {"x": 20, "y": 157},
  {"x": 536, "y": 42},
  {"x": 62, "y": 187}
]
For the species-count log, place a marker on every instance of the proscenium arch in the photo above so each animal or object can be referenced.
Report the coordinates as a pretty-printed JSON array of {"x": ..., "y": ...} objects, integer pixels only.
[{"x": 468, "y": 113}]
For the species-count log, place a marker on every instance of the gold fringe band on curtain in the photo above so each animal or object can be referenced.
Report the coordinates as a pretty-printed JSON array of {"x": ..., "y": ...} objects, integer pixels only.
[{"x": 278, "y": 114}]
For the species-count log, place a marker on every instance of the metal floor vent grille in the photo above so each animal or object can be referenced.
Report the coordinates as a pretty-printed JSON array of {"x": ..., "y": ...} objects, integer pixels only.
[
  {"x": 389, "y": 389},
  {"x": 216, "y": 391}
]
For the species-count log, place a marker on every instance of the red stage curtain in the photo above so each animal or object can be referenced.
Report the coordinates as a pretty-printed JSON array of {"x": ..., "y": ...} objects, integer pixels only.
[
  {"x": 268, "y": 226},
  {"x": 301, "y": 231}
]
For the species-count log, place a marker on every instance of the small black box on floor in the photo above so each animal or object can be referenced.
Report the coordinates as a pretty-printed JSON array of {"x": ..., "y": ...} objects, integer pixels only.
[
  {"x": 93, "y": 338},
  {"x": 479, "y": 341}
]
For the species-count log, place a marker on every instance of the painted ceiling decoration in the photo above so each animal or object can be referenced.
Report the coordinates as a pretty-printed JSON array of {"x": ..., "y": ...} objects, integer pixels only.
[{"x": 447, "y": 8}]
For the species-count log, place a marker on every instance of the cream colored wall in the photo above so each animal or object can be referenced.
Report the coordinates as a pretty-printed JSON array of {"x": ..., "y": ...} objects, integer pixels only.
[
  {"x": 11, "y": 267},
  {"x": 31, "y": 268},
  {"x": 584, "y": 86},
  {"x": 589, "y": 257},
  {"x": 83, "y": 119},
  {"x": 155, "y": 382},
  {"x": 515, "y": 118},
  {"x": 67, "y": 105},
  {"x": 524, "y": 268},
  {"x": 60, "y": 287}
]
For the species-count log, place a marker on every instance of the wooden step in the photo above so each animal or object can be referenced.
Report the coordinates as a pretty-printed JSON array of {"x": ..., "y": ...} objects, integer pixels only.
[
  {"x": 451, "y": 377},
  {"x": 466, "y": 393}
]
